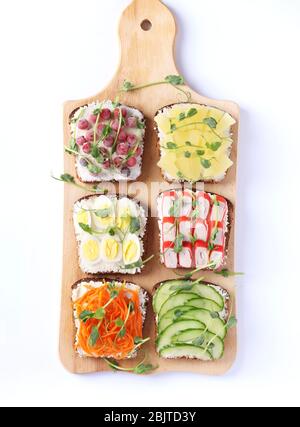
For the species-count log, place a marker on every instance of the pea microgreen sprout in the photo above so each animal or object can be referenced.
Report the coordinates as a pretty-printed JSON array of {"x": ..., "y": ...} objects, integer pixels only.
[
  {"x": 69, "y": 179},
  {"x": 174, "y": 80},
  {"x": 140, "y": 368}
]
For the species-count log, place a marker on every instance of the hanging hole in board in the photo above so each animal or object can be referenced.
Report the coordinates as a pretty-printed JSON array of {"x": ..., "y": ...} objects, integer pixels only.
[{"x": 146, "y": 25}]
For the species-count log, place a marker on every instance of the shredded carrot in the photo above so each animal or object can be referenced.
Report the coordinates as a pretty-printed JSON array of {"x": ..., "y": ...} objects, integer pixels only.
[{"x": 109, "y": 342}]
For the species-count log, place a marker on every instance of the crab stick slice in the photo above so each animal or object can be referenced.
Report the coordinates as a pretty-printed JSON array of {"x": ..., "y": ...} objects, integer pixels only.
[
  {"x": 203, "y": 204},
  {"x": 168, "y": 230},
  {"x": 186, "y": 255},
  {"x": 169, "y": 256},
  {"x": 201, "y": 255},
  {"x": 168, "y": 200},
  {"x": 219, "y": 208},
  {"x": 185, "y": 228},
  {"x": 186, "y": 208},
  {"x": 217, "y": 256},
  {"x": 201, "y": 230}
]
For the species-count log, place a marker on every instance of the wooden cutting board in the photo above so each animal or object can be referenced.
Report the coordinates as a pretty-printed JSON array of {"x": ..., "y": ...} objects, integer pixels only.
[{"x": 147, "y": 34}]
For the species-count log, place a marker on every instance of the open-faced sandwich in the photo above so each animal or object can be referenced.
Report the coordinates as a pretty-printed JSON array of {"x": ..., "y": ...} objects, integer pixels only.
[
  {"x": 195, "y": 142},
  {"x": 108, "y": 141},
  {"x": 109, "y": 231},
  {"x": 109, "y": 317},
  {"x": 193, "y": 229},
  {"x": 190, "y": 319}
]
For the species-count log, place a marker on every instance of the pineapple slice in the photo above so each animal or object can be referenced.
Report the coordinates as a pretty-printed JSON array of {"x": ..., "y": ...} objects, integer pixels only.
[{"x": 195, "y": 142}]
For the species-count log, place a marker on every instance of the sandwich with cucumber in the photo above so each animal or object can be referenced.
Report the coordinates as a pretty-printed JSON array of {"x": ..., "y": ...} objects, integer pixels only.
[{"x": 191, "y": 319}]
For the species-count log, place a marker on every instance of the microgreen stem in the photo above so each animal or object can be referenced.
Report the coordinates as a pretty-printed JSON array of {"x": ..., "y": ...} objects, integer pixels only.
[{"x": 82, "y": 187}]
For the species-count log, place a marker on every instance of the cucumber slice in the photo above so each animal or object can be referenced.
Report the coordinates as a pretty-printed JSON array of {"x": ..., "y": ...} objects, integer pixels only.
[
  {"x": 177, "y": 313},
  {"x": 183, "y": 298},
  {"x": 185, "y": 350},
  {"x": 203, "y": 291},
  {"x": 165, "y": 338},
  {"x": 216, "y": 345},
  {"x": 215, "y": 326},
  {"x": 208, "y": 292},
  {"x": 164, "y": 291},
  {"x": 208, "y": 304},
  {"x": 176, "y": 300}
]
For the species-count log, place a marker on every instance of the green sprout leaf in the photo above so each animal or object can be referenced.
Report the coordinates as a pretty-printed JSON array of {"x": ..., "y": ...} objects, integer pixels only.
[
  {"x": 232, "y": 322},
  {"x": 214, "y": 315},
  {"x": 171, "y": 145},
  {"x": 226, "y": 273},
  {"x": 211, "y": 122},
  {"x": 66, "y": 177},
  {"x": 73, "y": 146},
  {"x": 173, "y": 127},
  {"x": 140, "y": 125},
  {"x": 199, "y": 341},
  {"x": 181, "y": 116},
  {"x": 100, "y": 313},
  {"x": 143, "y": 368},
  {"x": 95, "y": 151},
  {"x": 178, "y": 243},
  {"x": 103, "y": 213},
  {"x": 200, "y": 152},
  {"x": 214, "y": 146},
  {"x": 127, "y": 85},
  {"x": 119, "y": 322},
  {"x": 86, "y": 315},
  {"x": 192, "y": 112},
  {"x": 187, "y": 154},
  {"x": 85, "y": 227},
  {"x": 135, "y": 225},
  {"x": 94, "y": 336},
  {"x": 174, "y": 80},
  {"x": 94, "y": 169},
  {"x": 206, "y": 163}
]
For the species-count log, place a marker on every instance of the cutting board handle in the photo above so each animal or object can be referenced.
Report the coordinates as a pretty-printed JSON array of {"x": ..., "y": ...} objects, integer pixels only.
[{"x": 147, "y": 34}]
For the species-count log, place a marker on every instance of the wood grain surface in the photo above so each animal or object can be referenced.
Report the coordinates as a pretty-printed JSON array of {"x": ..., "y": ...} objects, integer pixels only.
[{"x": 146, "y": 56}]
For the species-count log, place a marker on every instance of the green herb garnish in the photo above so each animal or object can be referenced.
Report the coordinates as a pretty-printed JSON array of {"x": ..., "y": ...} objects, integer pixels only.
[
  {"x": 135, "y": 225},
  {"x": 226, "y": 273},
  {"x": 178, "y": 243},
  {"x": 174, "y": 80}
]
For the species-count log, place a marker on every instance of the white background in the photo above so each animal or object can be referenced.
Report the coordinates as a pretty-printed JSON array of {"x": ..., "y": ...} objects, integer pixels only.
[{"x": 247, "y": 51}]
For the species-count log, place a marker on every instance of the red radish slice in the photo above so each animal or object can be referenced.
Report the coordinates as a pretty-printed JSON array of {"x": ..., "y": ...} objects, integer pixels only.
[
  {"x": 86, "y": 148},
  {"x": 81, "y": 140},
  {"x": 131, "y": 122},
  {"x": 122, "y": 136},
  {"x": 131, "y": 162},
  {"x": 90, "y": 136},
  {"x": 117, "y": 113},
  {"x": 83, "y": 124},
  {"x": 105, "y": 114},
  {"x": 131, "y": 139},
  {"x": 122, "y": 149}
]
